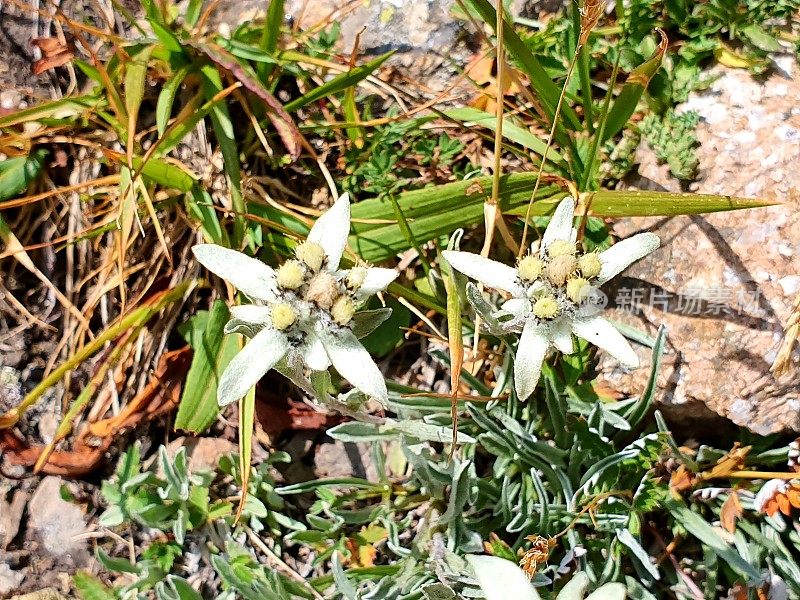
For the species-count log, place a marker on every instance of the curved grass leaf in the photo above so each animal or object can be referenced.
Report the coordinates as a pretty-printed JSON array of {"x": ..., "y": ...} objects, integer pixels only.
[
  {"x": 339, "y": 83},
  {"x": 625, "y": 104},
  {"x": 511, "y": 131}
]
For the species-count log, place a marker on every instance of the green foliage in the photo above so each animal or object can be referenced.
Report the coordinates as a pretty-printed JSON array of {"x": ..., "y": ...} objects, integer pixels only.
[
  {"x": 176, "y": 501},
  {"x": 672, "y": 138}
]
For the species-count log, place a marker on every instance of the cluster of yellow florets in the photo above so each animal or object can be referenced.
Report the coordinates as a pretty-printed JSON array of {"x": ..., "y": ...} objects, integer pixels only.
[
  {"x": 305, "y": 277},
  {"x": 564, "y": 272}
]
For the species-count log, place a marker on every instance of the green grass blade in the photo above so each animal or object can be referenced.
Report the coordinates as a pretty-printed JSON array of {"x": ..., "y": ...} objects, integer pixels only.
[
  {"x": 167, "y": 98},
  {"x": 339, "y": 83},
  {"x": 213, "y": 350},
  {"x": 226, "y": 138},
  {"x": 64, "y": 108},
  {"x": 16, "y": 174},
  {"x": 511, "y": 131},
  {"x": 625, "y": 104},
  {"x": 618, "y": 203},
  {"x": 270, "y": 35}
]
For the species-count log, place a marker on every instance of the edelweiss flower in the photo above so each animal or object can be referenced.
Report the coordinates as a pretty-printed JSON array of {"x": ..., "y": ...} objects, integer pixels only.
[
  {"x": 305, "y": 311},
  {"x": 554, "y": 293}
]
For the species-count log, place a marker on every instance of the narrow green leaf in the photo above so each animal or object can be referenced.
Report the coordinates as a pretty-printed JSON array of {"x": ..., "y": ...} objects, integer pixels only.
[
  {"x": 135, "y": 76},
  {"x": 698, "y": 527},
  {"x": 57, "y": 109},
  {"x": 511, "y": 131},
  {"x": 638, "y": 411},
  {"x": 16, "y": 174},
  {"x": 623, "y": 203},
  {"x": 198, "y": 408},
  {"x": 167, "y": 97},
  {"x": 339, "y": 83},
  {"x": 193, "y": 12},
  {"x": 166, "y": 37},
  {"x": 625, "y": 104},
  {"x": 226, "y": 137}
]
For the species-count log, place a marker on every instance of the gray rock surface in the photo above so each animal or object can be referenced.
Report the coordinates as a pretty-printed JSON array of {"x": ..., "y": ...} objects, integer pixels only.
[
  {"x": 56, "y": 522},
  {"x": 724, "y": 283}
]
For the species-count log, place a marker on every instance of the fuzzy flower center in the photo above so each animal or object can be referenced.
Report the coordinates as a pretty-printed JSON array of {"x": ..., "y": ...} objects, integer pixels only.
[
  {"x": 530, "y": 268},
  {"x": 311, "y": 254},
  {"x": 291, "y": 275},
  {"x": 560, "y": 268},
  {"x": 343, "y": 310},
  {"x": 546, "y": 307},
  {"x": 590, "y": 265},
  {"x": 561, "y": 248},
  {"x": 283, "y": 316}
]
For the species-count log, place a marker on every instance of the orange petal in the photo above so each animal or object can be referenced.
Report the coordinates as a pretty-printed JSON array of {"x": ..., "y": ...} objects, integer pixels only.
[
  {"x": 794, "y": 497},
  {"x": 771, "y": 507},
  {"x": 783, "y": 504}
]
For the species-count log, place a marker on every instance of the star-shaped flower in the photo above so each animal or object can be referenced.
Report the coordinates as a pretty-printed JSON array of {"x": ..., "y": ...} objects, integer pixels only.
[
  {"x": 554, "y": 293},
  {"x": 304, "y": 313}
]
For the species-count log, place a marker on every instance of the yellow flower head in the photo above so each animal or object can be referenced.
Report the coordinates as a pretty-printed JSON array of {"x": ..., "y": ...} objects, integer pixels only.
[
  {"x": 590, "y": 265},
  {"x": 290, "y": 275},
  {"x": 530, "y": 268},
  {"x": 283, "y": 316},
  {"x": 546, "y": 307},
  {"x": 311, "y": 254}
]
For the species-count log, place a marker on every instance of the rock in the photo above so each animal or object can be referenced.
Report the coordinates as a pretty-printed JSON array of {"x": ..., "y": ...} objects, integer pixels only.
[
  {"x": 724, "y": 283},
  {"x": 202, "y": 453},
  {"x": 345, "y": 459},
  {"x": 10, "y": 580},
  {"x": 10, "y": 516},
  {"x": 56, "y": 523}
]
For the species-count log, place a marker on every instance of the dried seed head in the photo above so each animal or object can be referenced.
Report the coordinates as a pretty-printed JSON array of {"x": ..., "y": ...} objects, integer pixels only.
[
  {"x": 356, "y": 277},
  {"x": 590, "y": 12},
  {"x": 546, "y": 307},
  {"x": 530, "y": 268},
  {"x": 560, "y": 268},
  {"x": 578, "y": 289},
  {"x": 590, "y": 265},
  {"x": 311, "y": 254},
  {"x": 283, "y": 316},
  {"x": 323, "y": 290},
  {"x": 291, "y": 275},
  {"x": 343, "y": 310},
  {"x": 561, "y": 248}
]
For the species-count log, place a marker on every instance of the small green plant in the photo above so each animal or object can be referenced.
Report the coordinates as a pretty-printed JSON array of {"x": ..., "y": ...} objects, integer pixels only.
[{"x": 673, "y": 140}]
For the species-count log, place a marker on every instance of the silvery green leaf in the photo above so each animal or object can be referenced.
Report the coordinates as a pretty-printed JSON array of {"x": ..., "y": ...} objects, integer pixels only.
[
  {"x": 641, "y": 555},
  {"x": 560, "y": 226},
  {"x": 609, "y": 591},
  {"x": 377, "y": 280},
  {"x": 531, "y": 350},
  {"x": 489, "y": 272},
  {"x": 622, "y": 254},
  {"x": 343, "y": 584},
  {"x": 485, "y": 310},
  {"x": 501, "y": 579},
  {"x": 355, "y": 431},
  {"x": 604, "y": 335},
  {"x": 438, "y": 591},
  {"x": 248, "y": 275},
  {"x": 576, "y": 587},
  {"x": 248, "y": 319},
  {"x": 367, "y": 321}
]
